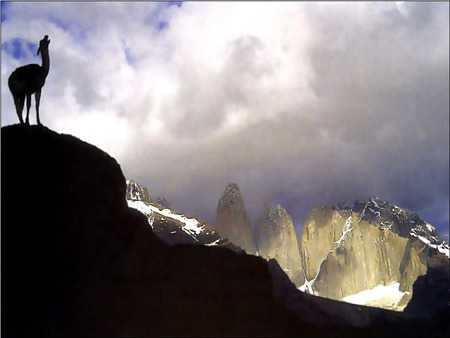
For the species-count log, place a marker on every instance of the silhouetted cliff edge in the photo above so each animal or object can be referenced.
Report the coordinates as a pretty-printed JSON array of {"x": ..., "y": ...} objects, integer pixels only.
[{"x": 77, "y": 261}]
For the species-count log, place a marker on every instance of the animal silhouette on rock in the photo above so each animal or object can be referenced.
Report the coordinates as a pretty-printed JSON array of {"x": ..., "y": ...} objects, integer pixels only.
[{"x": 28, "y": 80}]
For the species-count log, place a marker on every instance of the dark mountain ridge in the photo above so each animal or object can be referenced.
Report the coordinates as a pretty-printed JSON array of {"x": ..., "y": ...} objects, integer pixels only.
[{"x": 77, "y": 261}]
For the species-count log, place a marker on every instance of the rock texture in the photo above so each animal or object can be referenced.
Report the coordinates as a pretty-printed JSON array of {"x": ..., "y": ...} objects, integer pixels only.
[
  {"x": 232, "y": 221},
  {"x": 275, "y": 238},
  {"x": 348, "y": 250}
]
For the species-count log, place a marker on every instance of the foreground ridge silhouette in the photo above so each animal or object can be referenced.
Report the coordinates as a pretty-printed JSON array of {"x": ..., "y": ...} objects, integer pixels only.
[
  {"x": 28, "y": 80},
  {"x": 76, "y": 261}
]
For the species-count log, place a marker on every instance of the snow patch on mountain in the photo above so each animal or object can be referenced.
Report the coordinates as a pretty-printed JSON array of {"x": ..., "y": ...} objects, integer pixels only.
[
  {"x": 382, "y": 296},
  {"x": 216, "y": 242},
  {"x": 345, "y": 231},
  {"x": 442, "y": 247},
  {"x": 144, "y": 208},
  {"x": 191, "y": 225},
  {"x": 308, "y": 285}
]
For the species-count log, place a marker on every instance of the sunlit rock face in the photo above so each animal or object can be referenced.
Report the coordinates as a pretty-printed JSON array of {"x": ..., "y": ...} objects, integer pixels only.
[
  {"x": 275, "y": 238},
  {"x": 232, "y": 220},
  {"x": 272, "y": 237},
  {"x": 349, "y": 250}
]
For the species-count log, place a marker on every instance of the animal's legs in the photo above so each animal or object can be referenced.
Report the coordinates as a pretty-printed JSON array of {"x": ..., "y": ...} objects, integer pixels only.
[
  {"x": 18, "y": 102},
  {"x": 28, "y": 108},
  {"x": 37, "y": 97}
]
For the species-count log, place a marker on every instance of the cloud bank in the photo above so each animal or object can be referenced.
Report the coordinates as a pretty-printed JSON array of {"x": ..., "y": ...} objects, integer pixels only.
[{"x": 299, "y": 104}]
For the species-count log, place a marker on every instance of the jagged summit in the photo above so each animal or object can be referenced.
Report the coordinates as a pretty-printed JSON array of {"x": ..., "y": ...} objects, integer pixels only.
[
  {"x": 277, "y": 217},
  {"x": 278, "y": 212},
  {"x": 232, "y": 220},
  {"x": 401, "y": 221},
  {"x": 135, "y": 192},
  {"x": 232, "y": 189}
]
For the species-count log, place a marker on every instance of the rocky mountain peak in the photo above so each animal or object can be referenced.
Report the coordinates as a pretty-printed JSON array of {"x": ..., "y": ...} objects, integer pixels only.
[
  {"x": 232, "y": 189},
  {"x": 375, "y": 200},
  {"x": 275, "y": 238},
  {"x": 401, "y": 221},
  {"x": 232, "y": 220},
  {"x": 279, "y": 213},
  {"x": 277, "y": 216},
  {"x": 231, "y": 196},
  {"x": 135, "y": 192}
]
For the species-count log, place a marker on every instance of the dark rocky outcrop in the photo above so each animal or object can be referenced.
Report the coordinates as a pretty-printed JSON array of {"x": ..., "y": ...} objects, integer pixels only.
[{"x": 76, "y": 261}]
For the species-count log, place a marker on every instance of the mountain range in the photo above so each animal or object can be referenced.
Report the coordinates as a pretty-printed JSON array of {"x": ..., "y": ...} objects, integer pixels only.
[
  {"x": 369, "y": 254},
  {"x": 78, "y": 259}
]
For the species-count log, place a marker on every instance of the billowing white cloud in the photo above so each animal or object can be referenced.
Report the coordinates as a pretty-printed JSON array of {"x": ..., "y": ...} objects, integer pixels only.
[{"x": 300, "y": 104}]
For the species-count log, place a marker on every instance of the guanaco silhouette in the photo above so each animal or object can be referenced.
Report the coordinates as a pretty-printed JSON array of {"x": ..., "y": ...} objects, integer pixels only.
[{"x": 28, "y": 80}]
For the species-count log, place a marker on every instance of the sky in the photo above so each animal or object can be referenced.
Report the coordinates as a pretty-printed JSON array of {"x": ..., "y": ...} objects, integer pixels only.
[{"x": 300, "y": 103}]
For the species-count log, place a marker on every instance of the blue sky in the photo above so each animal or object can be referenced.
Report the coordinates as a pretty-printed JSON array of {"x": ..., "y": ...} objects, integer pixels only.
[{"x": 300, "y": 104}]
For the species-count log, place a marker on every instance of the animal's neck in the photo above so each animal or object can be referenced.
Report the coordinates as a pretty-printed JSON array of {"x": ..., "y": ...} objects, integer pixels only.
[{"x": 45, "y": 61}]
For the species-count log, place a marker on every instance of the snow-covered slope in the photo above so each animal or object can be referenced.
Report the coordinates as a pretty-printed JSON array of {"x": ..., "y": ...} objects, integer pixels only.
[
  {"x": 430, "y": 238},
  {"x": 384, "y": 296},
  {"x": 170, "y": 226}
]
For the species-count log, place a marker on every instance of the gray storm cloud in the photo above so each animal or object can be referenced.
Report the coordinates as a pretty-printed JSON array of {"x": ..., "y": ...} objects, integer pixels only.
[{"x": 299, "y": 104}]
